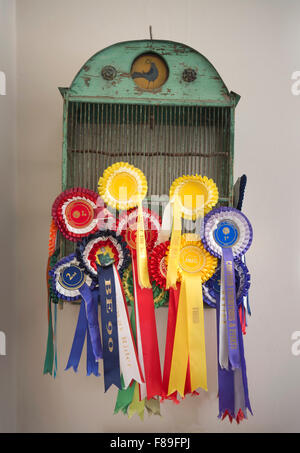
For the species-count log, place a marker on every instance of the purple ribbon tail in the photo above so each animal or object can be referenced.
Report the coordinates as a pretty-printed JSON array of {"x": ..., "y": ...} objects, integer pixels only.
[
  {"x": 91, "y": 305},
  {"x": 244, "y": 371},
  {"x": 78, "y": 341},
  {"x": 225, "y": 380},
  {"x": 231, "y": 308}
]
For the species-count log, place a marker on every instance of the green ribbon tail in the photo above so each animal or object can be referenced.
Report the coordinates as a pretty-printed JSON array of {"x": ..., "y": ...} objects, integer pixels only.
[
  {"x": 48, "y": 364},
  {"x": 124, "y": 398}
]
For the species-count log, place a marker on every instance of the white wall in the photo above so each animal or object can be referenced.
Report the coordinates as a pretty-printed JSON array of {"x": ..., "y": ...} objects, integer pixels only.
[
  {"x": 255, "y": 47},
  {"x": 8, "y": 218}
]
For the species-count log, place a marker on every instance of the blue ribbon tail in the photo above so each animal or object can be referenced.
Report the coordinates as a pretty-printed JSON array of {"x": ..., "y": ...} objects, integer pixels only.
[
  {"x": 78, "y": 341},
  {"x": 92, "y": 367},
  {"x": 231, "y": 308},
  {"x": 244, "y": 371},
  {"x": 91, "y": 305},
  {"x": 111, "y": 360},
  {"x": 225, "y": 380}
]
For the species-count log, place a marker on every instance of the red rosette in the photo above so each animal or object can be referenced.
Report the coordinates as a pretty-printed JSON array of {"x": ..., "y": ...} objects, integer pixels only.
[
  {"x": 76, "y": 211},
  {"x": 158, "y": 265},
  {"x": 127, "y": 226}
]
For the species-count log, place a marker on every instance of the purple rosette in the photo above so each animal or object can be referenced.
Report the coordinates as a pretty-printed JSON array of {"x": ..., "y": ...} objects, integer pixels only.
[
  {"x": 211, "y": 288},
  {"x": 224, "y": 220}
]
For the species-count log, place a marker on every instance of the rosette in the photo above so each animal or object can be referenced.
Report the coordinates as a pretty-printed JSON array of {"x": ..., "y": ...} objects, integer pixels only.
[
  {"x": 121, "y": 185},
  {"x": 227, "y": 234},
  {"x": 196, "y": 265},
  {"x": 71, "y": 283},
  {"x": 124, "y": 186},
  {"x": 105, "y": 256},
  {"x": 147, "y": 343},
  {"x": 74, "y": 212},
  {"x": 191, "y": 197}
]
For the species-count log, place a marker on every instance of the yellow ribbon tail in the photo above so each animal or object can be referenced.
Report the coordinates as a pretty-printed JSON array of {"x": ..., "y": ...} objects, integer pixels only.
[
  {"x": 173, "y": 258},
  {"x": 136, "y": 406},
  {"x": 196, "y": 332},
  {"x": 141, "y": 251},
  {"x": 180, "y": 354}
]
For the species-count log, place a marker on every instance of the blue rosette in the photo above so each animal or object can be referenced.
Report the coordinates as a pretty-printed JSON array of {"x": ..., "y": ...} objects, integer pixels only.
[
  {"x": 67, "y": 277},
  {"x": 71, "y": 283},
  {"x": 211, "y": 288}
]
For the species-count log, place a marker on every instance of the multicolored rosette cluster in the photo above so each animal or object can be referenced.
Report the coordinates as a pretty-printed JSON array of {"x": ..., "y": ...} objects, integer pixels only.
[
  {"x": 227, "y": 234},
  {"x": 105, "y": 256},
  {"x": 103, "y": 248}
]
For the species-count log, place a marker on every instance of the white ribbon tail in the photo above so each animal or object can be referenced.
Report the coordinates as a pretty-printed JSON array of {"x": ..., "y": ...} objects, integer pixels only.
[
  {"x": 166, "y": 227},
  {"x": 128, "y": 358}
]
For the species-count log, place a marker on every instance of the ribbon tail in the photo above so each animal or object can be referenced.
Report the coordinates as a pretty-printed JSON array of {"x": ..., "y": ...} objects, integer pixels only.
[
  {"x": 78, "y": 341},
  {"x": 180, "y": 354},
  {"x": 174, "y": 252},
  {"x": 196, "y": 332},
  {"x": 48, "y": 364},
  {"x": 92, "y": 366},
  {"x": 225, "y": 380},
  {"x": 141, "y": 251},
  {"x": 55, "y": 341},
  {"x": 172, "y": 314},
  {"x": 111, "y": 358},
  {"x": 231, "y": 308},
  {"x": 91, "y": 306},
  {"x": 124, "y": 398},
  {"x": 129, "y": 362},
  {"x": 222, "y": 324},
  {"x": 146, "y": 327},
  {"x": 137, "y": 406}
]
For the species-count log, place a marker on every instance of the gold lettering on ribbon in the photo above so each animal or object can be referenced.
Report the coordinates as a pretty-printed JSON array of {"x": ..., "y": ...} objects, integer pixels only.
[
  {"x": 231, "y": 305},
  {"x": 109, "y": 309}
]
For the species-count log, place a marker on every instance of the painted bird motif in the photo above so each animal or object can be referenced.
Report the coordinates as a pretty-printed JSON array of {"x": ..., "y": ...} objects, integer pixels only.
[{"x": 151, "y": 75}]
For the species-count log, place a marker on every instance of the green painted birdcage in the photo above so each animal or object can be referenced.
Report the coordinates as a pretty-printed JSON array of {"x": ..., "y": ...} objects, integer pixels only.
[{"x": 159, "y": 105}]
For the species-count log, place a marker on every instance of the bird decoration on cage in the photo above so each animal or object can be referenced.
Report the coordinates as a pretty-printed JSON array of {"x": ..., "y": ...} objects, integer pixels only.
[{"x": 126, "y": 255}]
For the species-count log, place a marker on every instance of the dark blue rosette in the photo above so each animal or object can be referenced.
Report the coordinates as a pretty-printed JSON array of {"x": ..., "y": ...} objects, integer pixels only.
[
  {"x": 108, "y": 246},
  {"x": 211, "y": 288},
  {"x": 67, "y": 277}
]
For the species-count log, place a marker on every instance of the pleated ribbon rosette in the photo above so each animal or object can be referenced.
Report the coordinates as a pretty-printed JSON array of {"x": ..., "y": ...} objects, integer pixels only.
[{"x": 227, "y": 234}]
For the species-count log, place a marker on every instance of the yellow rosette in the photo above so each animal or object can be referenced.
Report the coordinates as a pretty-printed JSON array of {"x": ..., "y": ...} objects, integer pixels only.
[
  {"x": 123, "y": 187},
  {"x": 191, "y": 197},
  {"x": 196, "y": 266}
]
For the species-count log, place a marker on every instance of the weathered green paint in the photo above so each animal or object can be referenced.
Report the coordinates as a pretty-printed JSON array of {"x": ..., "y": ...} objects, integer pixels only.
[{"x": 208, "y": 88}]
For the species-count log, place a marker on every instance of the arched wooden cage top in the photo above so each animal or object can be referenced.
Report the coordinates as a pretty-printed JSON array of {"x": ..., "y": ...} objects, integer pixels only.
[{"x": 159, "y": 105}]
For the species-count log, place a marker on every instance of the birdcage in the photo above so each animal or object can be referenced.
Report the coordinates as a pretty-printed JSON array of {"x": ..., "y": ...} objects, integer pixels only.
[{"x": 159, "y": 105}]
